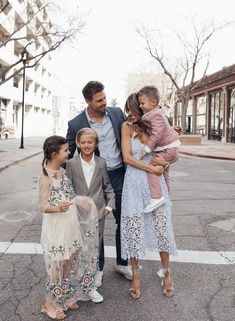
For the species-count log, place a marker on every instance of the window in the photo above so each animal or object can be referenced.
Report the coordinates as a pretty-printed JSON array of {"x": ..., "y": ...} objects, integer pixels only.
[
  {"x": 216, "y": 118},
  {"x": 189, "y": 117},
  {"x": 27, "y": 109},
  {"x": 178, "y": 114},
  {"x": 231, "y": 116},
  {"x": 16, "y": 81},
  {"x": 201, "y": 115}
]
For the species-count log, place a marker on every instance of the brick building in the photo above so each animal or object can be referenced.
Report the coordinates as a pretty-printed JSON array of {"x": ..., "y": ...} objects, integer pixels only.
[{"x": 211, "y": 109}]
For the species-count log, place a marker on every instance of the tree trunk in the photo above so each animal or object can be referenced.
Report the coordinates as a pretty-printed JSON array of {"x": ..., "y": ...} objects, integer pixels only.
[{"x": 184, "y": 105}]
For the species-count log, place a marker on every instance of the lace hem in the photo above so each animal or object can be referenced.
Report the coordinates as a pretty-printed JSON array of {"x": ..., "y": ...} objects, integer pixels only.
[{"x": 141, "y": 232}]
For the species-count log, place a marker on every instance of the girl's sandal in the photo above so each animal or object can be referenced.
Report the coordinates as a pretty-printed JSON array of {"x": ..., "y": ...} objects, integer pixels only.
[
  {"x": 135, "y": 293},
  {"x": 57, "y": 314},
  {"x": 71, "y": 304},
  {"x": 168, "y": 292}
]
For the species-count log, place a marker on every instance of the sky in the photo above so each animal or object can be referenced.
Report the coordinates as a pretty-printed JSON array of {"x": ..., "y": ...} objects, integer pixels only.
[{"x": 108, "y": 49}]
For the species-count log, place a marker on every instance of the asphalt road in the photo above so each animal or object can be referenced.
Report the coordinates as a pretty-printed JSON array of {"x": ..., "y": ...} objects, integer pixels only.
[{"x": 203, "y": 195}]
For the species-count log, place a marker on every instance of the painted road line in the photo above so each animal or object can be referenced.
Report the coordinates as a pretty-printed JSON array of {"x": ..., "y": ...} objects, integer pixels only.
[
  {"x": 4, "y": 246},
  {"x": 24, "y": 248},
  {"x": 184, "y": 256}
]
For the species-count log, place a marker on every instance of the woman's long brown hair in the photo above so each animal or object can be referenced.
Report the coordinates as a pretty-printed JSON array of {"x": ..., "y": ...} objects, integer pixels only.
[{"x": 133, "y": 105}]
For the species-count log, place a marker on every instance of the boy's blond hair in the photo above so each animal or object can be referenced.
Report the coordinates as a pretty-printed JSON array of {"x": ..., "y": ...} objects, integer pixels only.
[
  {"x": 151, "y": 92},
  {"x": 86, "y": 131}
]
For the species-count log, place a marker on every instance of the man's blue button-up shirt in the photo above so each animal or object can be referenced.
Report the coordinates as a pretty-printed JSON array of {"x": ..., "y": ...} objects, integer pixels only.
[{"x": 108, "y": 147}]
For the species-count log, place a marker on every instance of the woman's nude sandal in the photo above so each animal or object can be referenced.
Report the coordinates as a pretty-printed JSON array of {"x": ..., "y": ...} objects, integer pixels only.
[
  {"x": 135, "y": 293},
  {"x": 168, "y": 292},
  {"x": 57, "y": 314}
]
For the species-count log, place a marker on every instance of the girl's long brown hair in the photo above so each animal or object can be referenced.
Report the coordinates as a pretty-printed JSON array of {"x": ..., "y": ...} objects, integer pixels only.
[
  {"x": 51, "y": 145},
  {"x": 133, "y": 105}
]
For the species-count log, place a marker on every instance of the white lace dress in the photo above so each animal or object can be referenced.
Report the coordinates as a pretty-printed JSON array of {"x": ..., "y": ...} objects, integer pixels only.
[{"x": 140, "y": 231}]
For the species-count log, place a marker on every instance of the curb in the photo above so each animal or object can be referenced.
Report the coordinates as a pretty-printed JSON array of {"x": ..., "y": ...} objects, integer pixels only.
[
  {"x": 19, "y": 160},
  {"x": 208, "y": 156}
]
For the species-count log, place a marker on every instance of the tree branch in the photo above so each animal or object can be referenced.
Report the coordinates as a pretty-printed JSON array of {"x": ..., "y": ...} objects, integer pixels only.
[
  {"x": 3, "y": 5},
  {"x": 35, "y": 59},
  {"x": 19, "y": 28},
  {"x": 48, "y": 36}
]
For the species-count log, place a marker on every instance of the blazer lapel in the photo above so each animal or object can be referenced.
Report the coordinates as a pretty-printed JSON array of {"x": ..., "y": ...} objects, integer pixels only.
[
  {"x": 96, "y": 171},
  {"x": 83, "y": 120},
  {"x": 115, "y": 126},
  {"x": 80, "y": 172}
]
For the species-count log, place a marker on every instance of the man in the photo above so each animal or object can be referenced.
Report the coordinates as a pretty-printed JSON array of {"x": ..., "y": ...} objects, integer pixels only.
[{"x": 107, "y": 122}]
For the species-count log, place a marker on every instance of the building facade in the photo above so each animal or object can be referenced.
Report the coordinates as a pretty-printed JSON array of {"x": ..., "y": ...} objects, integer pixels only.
[
  {"x": 211, "y": 109},
  {"x": 65, "y": 107},
  {"x": 38, "y": 82}
]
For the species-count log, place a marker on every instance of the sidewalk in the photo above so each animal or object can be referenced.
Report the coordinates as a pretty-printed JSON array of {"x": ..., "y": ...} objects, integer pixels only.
[
  {"x": 10, "y": 153},
  {"x": 210, "y": 149}
]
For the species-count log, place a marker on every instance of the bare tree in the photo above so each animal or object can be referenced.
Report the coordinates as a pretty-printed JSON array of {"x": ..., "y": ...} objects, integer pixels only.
[
  {"x": 35, "y": 34},
  {"x": 194, "y": 58},
  {"x": 146, "y": 76}
]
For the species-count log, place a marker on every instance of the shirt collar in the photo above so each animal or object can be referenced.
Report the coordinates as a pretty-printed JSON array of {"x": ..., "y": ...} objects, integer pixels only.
[
  {"x": 92, "y": 162},
  {"x": 89, "y": 118}
]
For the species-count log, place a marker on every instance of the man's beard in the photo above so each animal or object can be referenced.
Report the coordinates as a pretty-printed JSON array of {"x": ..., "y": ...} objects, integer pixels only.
[
  {"x": 101, "y": 111},
  {"x": 97, "y": 111}
]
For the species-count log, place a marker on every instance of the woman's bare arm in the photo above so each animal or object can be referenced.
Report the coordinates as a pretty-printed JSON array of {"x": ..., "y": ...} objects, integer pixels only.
[{"x": 127, "y": 153}]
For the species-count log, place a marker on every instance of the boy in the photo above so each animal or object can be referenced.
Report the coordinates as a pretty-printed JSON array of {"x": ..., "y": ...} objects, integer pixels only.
[
  {"x": 163, "y": 139},
  {"x": 89, "y": 176}
]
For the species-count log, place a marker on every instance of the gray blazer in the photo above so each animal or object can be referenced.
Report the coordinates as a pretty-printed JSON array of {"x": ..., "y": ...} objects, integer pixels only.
[{"x": 100, "y": 189}]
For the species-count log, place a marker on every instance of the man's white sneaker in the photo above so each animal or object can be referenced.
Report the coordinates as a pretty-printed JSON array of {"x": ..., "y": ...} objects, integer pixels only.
[
  {"x": 95, "y": 296},
  {"x": 154, "y": 204},
  {"x": 98, "y": 278},
  {"x": 125, "y": 270}
]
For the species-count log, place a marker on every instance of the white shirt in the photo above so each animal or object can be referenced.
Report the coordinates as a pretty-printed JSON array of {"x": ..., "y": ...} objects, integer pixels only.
[
  {"x": 88, "y": 171},
  {"x": 176, "y": 143}
]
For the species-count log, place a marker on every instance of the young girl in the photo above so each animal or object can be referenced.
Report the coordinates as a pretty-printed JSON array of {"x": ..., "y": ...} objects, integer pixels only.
[
  {"x": 69, "y": 236},
  {"x": 92, "y": 172}
]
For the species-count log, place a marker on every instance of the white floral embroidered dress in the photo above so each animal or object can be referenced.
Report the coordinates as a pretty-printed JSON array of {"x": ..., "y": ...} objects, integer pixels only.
[{"x": 69, "y": 240}]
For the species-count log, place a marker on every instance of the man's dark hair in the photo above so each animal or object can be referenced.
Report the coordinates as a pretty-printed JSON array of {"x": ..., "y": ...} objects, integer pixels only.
[{"x": 91, "y": 88}]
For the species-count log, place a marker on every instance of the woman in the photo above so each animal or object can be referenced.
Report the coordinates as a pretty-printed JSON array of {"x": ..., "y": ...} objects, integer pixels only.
[{"x": 140, "y": 231}]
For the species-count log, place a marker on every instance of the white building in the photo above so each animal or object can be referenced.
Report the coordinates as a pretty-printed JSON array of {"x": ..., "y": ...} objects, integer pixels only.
[
  {"x": 39, "y": 80},
  {"x": 65, "y": 107}
]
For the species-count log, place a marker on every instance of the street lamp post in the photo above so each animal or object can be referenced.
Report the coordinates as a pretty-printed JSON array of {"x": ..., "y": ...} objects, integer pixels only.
[{"x": 24, "y": 55}]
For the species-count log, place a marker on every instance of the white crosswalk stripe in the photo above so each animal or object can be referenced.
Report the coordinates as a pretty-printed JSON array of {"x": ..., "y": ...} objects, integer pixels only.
[{"x": 184, "y": 256}]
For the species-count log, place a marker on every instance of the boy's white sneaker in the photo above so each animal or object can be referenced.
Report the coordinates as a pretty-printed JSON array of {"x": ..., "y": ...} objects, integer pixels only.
[
  {"x": 98, "y": 278},
  {"x": 95, "y": 296},
  {"x": 154, "y": 204}
]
